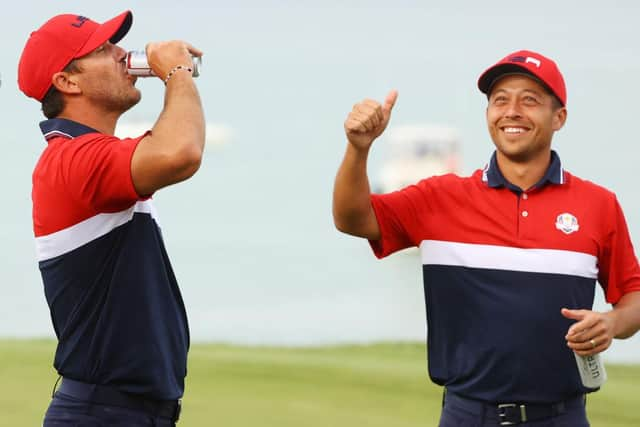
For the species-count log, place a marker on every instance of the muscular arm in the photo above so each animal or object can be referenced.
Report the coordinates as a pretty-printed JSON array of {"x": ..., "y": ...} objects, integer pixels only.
[
  {"x": 352, "y": 210},
  {"x": 173, "y": 150}
]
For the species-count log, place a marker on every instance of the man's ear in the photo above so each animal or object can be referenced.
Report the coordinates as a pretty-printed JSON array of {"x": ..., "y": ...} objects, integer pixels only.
[
  {"x": 65, "y": 82},
  {"x": 559, "y": 118}
]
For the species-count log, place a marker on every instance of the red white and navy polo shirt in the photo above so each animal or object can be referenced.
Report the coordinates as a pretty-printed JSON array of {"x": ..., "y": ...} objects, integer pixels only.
[
  {"x": 498, "y": 265},
  {"x": 114, "y": 300}
]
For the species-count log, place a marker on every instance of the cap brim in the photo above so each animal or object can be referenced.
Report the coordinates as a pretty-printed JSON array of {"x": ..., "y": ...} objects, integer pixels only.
[
  {"x": 112, "y": 30},
  {"x": 489, "y": 77},
  {"x": 492, "y": 75}
]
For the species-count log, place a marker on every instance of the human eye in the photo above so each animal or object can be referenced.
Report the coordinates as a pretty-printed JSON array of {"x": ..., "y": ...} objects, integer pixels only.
[
  {"x": 499, "y": 100},
  {"x": 531, "y": 100},
  {"x": 101, "y": 49}
]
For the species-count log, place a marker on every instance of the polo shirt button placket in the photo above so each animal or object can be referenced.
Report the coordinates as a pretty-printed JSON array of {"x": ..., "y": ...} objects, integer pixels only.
[{"x": 525, "y": 213}]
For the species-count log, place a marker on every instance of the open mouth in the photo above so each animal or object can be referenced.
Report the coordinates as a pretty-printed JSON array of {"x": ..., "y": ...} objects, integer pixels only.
[{"x": 514, "y": 130}]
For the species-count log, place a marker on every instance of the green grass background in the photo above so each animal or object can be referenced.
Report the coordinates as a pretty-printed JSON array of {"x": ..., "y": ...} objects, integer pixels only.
[{"x": 375, "y": 385}]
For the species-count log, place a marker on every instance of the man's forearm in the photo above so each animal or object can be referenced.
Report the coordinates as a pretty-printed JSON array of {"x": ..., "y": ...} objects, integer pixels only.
[
  {"x": 173, "y": 151},
  {"x": 352, "y": 211},
  {"x": 627, "y": 315},
  {"x": 181, "y": 126}
]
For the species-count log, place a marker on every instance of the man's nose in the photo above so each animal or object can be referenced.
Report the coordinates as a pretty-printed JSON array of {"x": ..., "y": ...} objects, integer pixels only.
[
  {"x": 513, "y": 110},
  {"x": 120, "y": 53}
]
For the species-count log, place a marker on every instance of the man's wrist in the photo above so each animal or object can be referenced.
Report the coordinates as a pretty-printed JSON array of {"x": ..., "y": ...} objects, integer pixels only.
[
  {"x": 176, "y": 69},
  {"x": 359, "y": 147},
  {"x": 613, "y": 316}
]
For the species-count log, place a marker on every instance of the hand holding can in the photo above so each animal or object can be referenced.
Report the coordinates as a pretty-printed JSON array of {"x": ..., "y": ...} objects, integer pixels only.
[
  {"x": 159, "y": 58},
  {"x": 138, "y": 65}
]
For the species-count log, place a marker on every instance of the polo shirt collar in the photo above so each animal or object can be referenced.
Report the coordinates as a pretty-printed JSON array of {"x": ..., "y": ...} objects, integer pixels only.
[
  {"x": 65, "y": 128},
  {"x": 494, "y": 178}
]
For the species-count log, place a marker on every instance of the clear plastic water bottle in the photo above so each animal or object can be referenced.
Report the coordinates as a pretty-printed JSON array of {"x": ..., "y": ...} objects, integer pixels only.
[{"x": 591, "y": 368}]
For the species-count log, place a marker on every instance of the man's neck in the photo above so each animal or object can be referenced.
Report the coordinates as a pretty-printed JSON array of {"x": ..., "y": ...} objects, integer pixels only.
[
  {"x": 524, "y": 174},
  {"x": 103, "y": 122}
]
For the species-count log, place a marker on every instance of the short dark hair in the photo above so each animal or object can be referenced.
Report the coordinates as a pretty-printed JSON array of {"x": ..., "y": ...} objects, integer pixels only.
[{"x": 53, "y": 102}]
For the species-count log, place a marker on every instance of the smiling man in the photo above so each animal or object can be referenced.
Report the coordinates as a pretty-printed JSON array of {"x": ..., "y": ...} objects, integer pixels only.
[
  {"x": 510, "y": 255},
  {"x": 115, "y": 304}
]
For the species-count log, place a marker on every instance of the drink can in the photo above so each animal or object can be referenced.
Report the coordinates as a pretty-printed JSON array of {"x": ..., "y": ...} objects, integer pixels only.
[
  {"x": 137, "y": 64},
  {"x": 592, "y": 372}
]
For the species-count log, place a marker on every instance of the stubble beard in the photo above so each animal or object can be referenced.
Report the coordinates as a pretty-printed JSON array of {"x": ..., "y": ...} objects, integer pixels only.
[
  {"x": 517, "y": 156},
  {"x": 117, "y": 101},
  {"x": 521, "y": 154}
]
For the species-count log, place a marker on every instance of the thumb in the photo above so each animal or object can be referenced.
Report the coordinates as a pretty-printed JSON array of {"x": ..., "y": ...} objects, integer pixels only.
[
  {"x": 389, "y": 102},
  {"x": 573, "y": 314}
]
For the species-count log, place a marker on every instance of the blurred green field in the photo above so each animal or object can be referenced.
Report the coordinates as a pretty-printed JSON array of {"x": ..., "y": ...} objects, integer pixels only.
[{"x": 377, "y": 385}]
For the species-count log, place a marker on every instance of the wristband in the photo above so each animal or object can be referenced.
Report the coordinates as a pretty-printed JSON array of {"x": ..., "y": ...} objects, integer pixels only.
[{"x": 175, "y": 70}]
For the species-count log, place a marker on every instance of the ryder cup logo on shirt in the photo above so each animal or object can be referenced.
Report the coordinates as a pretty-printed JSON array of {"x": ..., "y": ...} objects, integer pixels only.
[{"x": 567, "y": 223}]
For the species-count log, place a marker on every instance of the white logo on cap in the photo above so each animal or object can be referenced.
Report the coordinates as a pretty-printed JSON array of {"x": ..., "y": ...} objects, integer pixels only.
[{"x": 533, "y": 61}]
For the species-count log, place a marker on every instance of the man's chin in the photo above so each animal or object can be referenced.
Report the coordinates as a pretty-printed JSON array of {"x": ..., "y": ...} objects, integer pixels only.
[
  {"x": 519, "y": 156},
  {"x": 133, "y": 101}
]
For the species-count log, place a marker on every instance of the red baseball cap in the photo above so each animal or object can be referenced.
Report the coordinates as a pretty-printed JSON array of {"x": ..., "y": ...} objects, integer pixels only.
[
  {"x": 541, "y": 68},
  {"x": 60, "y": 40}
]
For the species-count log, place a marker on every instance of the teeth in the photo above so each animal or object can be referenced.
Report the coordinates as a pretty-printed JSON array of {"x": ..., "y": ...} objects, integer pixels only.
[{"x": 513, "y": 130}]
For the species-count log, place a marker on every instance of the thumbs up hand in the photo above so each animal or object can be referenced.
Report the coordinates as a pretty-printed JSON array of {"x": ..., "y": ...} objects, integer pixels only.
[{"x": 368, "y": 119}]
